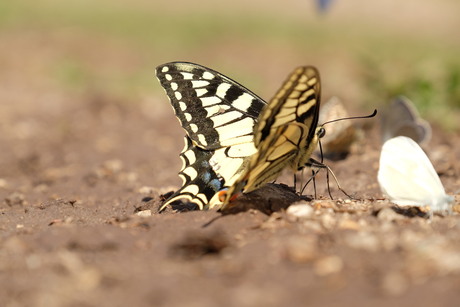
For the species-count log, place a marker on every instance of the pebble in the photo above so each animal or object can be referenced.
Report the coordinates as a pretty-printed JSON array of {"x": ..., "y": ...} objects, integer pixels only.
[
  {"x": 3, "y": 183},
  {"x": 146, "y": 190},
  {"x": 144, "y": 213},
  {"x": 328, "y": 265},
  {"x": 299, "y": 211},
  {"x": 388, "y": 214},
  {"x": 113, "y": 165},
  {"x": 324, "y": 204},
  {"x": 328, "y": 221},
  {"x": 349, "y": 224},
  {"x": 302, "y": 249},
  {"x": 15, "y": 199},
  {"x": 363, "y": 240},
  {"x": 312, "y": 226},
  {"x": 394, "y": 284}
]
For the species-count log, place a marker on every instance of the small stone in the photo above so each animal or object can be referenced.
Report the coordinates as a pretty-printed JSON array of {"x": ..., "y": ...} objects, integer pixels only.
[
  {"x": 389, "y": 215},
  {"x": 113, "y": 165},
  {"x": 41, "y": 188},
  {"x": 144, "y": 213},
  {"x": 317, "y": 204},
  {"x": 394, "y": 284},
  {"x": 146, "y": 190},
  {"x": 302, "y": 249},
  {"x": 299, "y": 211},
  {"x": 328, "y": 265},
  {"x": 328, "y": 221},
  {"x": 15, "y": 199},
  {"x": 3, "y": 183},
  {"x": 363, "y": 240},
  {"x": 313, "y": 226},
  {"x": 349, "y": 224}
]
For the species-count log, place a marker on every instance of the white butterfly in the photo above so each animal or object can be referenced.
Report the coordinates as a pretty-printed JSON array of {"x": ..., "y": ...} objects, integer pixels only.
[{"x": 408, "y": 178}]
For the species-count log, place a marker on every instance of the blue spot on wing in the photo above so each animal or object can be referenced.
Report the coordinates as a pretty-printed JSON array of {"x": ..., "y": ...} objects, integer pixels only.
[{"x": 216, "y": 184}]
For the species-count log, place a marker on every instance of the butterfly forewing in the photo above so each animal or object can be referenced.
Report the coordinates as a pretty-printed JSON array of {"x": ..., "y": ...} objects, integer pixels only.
[
  {"x": 401, "y": 118},
  {"x": 296, "y": 101},
  {"x": 408, "y": 178},
  {"x": 214, "y": 110}
]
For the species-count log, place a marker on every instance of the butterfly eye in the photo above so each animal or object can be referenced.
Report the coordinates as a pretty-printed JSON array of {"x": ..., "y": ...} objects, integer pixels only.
[{"x": 321, "y": 132}]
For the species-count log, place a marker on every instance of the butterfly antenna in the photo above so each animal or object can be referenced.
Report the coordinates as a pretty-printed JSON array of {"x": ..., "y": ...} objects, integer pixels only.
[{"x": 353, "y": 117}]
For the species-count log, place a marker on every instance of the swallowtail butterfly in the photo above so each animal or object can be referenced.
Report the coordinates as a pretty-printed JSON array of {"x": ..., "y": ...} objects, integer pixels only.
[{"x": 233, "y": 138}]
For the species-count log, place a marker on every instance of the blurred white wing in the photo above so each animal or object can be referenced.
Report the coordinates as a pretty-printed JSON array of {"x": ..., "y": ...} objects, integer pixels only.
[
  {"x": 401, "y": 118},
  {"x": 408, "y": 178}
]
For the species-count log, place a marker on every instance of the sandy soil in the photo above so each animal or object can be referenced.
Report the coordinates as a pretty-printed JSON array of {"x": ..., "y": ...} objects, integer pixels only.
[
  {"x": 83, "y": 171},
  {"x": 75, "y": 193}
]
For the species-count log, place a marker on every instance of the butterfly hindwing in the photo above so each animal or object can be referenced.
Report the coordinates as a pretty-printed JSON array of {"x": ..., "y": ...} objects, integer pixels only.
[{"x": 199, "y": 180}]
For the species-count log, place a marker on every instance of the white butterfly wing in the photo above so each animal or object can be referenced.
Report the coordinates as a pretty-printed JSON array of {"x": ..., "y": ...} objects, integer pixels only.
[
  {"x": 401, "y": 118},
  {"x": 407, "y": 176}
]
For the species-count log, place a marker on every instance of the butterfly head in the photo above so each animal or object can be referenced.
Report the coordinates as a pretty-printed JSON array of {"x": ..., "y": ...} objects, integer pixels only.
[{"x": 320, "y": 132}]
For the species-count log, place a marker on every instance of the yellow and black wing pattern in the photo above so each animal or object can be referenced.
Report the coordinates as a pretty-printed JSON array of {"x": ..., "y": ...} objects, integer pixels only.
[
  {"x": 219, "y": 117},
  {"x": 285, "y": 135}
]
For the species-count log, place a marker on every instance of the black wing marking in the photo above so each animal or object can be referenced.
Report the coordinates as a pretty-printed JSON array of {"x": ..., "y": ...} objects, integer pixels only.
[{"x": 200, "y": 180}]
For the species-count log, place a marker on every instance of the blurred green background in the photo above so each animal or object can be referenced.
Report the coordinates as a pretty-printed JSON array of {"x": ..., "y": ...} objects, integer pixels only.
[{"x": 367, "y": 51}]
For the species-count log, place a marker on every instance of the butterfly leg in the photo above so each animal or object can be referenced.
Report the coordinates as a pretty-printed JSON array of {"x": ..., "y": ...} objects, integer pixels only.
[
  {"x": 313, "y": 174},
  {"x": 328, "y": 185},
  {"x": 313, "y": 163},
  {"x": 295, "y": 182},
  {"x": 312, "y": 178}
]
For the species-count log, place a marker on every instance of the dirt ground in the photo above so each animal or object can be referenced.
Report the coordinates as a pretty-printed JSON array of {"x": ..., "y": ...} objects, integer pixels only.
[
  {"x": 76, "y": 188},
  {"x": 82, "y": 171}
]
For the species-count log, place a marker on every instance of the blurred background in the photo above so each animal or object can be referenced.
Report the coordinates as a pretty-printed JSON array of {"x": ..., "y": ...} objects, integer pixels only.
[
  {"x": 366, "y": 51},
  {"x": 77, "y": 78}
]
